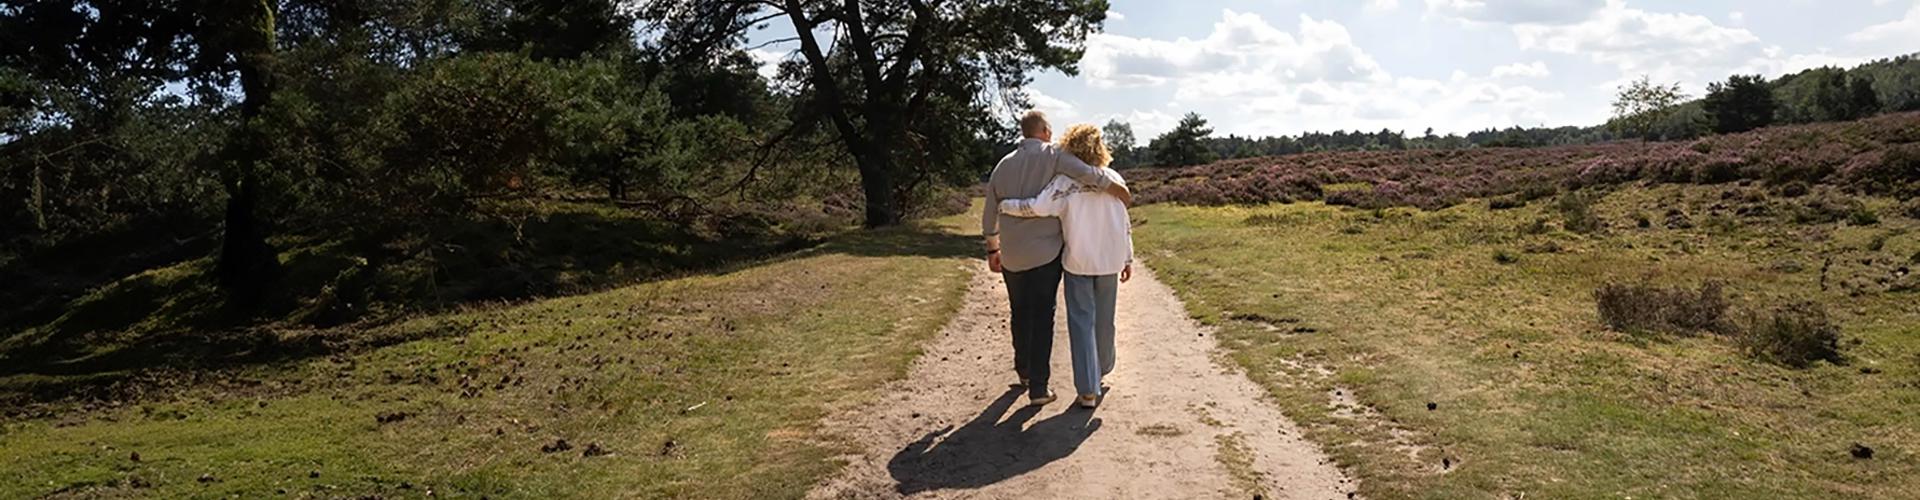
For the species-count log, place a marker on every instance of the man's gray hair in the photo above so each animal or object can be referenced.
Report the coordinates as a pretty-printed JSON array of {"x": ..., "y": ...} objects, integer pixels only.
[{"x": 1032, "y": 123}]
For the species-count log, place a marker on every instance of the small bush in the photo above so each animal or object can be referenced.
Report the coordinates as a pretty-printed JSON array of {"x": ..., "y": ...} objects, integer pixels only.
[
  {"x": 1826, "y": 207},
  {"x": 1911, "y": 208},
  {"x": 1717, "y": 172},
  {"x": 1645, "y": 308},
  {"x": 1505, "y": 203},
  {"x": 1794, "y": 189},
  {"x": 1678, "y": 219},
  {"x": 1538, "y": 226},
  {"x": 1860, "y": 215},
  {"x": 1538, "y": 191},
  {"x": 1577, "y": 209},
  {"x": 1795, "y": 335},
  {"x": 1505, "y": 257}
]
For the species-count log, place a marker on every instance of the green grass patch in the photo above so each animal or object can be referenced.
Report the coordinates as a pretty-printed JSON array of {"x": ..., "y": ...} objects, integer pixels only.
[
  {"x": 1534, "y": 396},
  {"x": 707, "y": 386}
]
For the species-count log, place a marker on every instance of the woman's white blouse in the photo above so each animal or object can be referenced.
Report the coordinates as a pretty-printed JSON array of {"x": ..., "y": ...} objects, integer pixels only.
[{"x": 1098, "y": 234}]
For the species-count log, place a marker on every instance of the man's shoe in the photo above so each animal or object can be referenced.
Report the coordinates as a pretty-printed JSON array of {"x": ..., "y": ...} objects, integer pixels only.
[
  {"x": 1022, "y": 384},
  {"x": 1089, "y": 401},
  {"x": 1041, "y": 400}
]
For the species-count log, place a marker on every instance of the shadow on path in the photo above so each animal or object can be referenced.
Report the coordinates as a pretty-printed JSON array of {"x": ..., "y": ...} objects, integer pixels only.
[{"x": 986, "y": 450}]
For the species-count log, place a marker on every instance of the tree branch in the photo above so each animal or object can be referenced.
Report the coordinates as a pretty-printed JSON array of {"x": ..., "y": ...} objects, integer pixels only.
[{"x": 823, "y": 77}]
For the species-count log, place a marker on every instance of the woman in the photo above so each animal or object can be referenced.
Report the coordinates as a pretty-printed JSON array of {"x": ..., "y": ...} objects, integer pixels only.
[{"x": 1099, "y": 256}]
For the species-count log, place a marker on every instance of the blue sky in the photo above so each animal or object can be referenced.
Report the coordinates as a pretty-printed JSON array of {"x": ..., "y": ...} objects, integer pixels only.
[{"x": 1264, "y": 67}]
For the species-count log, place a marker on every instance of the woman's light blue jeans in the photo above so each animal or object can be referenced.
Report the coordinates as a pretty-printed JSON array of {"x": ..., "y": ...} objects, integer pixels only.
[{"x": 1090, "y": 304}]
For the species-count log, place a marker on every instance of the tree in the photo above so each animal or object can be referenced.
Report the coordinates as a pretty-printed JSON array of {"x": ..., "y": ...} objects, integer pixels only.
[
  {"x": 242, "y": 32},
  {"x": 1744, "y": 102},
  {"x": 548, "y": 29},
  {"x": 1830, "y": 96},
  {"x": 114, "y": 54},
  {"x": 1642, "y": 105},
  {"x": 1185, "y": 144},
  {"x": 907, "y": 87},
  {"x": 1862, "y": 102},
  {"x": 1119, "y": 137}
]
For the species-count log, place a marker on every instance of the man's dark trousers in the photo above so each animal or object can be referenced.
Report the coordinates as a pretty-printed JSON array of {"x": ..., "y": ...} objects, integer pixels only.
[{"x": 1032, "y": 294}]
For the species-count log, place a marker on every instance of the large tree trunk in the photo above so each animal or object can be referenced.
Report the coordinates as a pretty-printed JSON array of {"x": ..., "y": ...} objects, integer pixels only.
[
  {"x": 247, "y": 263},
  {"x": 876, "y": 182}
]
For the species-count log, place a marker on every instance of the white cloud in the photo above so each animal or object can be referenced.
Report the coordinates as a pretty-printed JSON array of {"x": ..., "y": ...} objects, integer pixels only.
[
  {"x": 1377, "y": 6},
  {"x": 769, "y": 61},
  {"x": 1052, "y": 106},
  {"x": 1256, "y": 79},
  {"x": 1516, "y": 11},
  {"x": 1902, "y": 35},
  {"x": 1666, "y": 46},
  {"x": 1240, "y": 46},
  {"x": 1116, "y": 16},
  {"x": 1534, "y": 69}
]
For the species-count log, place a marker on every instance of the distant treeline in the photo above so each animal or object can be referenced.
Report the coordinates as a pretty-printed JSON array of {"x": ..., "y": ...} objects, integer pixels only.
[{"x": 1814, "y": 95}]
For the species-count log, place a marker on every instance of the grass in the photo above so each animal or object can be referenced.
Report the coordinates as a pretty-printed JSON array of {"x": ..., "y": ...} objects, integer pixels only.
[
  {"x": 1534, "y": 397},
  {"x": 706, "y": 386}
]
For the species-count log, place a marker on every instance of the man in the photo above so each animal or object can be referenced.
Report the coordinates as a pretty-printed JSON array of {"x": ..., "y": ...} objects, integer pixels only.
[{"x": 1029, "y": 260}]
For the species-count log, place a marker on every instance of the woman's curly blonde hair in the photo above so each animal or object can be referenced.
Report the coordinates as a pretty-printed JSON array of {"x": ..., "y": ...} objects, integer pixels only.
[{"x": 1084, "y": 142}]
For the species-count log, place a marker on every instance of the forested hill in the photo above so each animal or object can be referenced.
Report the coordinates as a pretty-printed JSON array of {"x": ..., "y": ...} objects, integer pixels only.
[{"x": 1815, "y": 95}]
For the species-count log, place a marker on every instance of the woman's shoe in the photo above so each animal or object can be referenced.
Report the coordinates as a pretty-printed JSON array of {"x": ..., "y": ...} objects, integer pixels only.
[{"x": 1089, "y": 401}]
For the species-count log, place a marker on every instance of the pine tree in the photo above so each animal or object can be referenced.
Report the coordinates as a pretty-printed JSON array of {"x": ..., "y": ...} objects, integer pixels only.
[
  {"x": 1744, "y": 102},
  {"x": 1862, "y": 102},
  {"x": 1185, "y": 144}
]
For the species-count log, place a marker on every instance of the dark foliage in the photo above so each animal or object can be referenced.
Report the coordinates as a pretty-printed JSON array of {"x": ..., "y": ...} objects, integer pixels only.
[
  {"x": 1645, "y": 308},
  {"x": 1795, "y": 335},
  {"x": 1184, "y": 145},
  {"x": 1744, "y": 102}
]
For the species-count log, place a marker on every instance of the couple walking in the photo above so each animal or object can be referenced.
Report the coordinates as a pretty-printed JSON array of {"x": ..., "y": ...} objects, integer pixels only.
[{"x": 1054, "y": 207}]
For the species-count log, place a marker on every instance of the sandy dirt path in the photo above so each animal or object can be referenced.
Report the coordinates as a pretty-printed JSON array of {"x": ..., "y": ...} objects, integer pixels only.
[{"x": 1177, "y": 424}]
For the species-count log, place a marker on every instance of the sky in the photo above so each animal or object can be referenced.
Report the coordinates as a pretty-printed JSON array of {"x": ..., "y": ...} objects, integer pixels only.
[{"x": 1271, "y": 67}]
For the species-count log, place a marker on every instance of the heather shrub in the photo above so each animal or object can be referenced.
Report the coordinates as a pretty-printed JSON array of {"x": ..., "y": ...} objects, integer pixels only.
[
  {"x": 1794, "y": 189},
  {"x": 1505, "y": 257},
  {"x": 1911, "y": 208},
  {"x": 1825, "y": 207},
  {"x": 1870, "y": 157},
  {"x": 1794, "y": 335},
  {"x": 1505, "y": 203},
  {"x": 1718, "y": 171},
  {"x": 1355, "y": 198},
  {"x": 1537, "y": 227},
  {"x": 1641, "y": 308},
  {"x": 1678, "y": 219},
  {"x": 1537, "y": 191},
  {"x": 1895, "y": 171},
  {"x": 1860, "y": 215},
  {"x": 1576, "y": 209}
]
